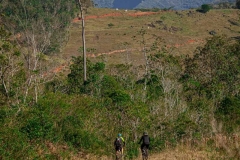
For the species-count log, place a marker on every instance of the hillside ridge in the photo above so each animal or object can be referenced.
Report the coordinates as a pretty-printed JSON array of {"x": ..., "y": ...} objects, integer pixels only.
[{"x": 175, "y": 4}]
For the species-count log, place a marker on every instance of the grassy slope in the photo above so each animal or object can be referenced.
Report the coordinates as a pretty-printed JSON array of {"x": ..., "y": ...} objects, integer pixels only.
[
  {"x": 195, "y": 29},
  {"x": 192, "y": 30},
  {"x": 169, "y": 154}
]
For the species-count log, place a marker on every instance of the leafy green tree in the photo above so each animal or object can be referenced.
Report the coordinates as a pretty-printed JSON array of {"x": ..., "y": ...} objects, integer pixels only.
[
  {"x": 205, "y": 8},
  {"x": 210, "y": 76},
  {"x": 228, "y": 111},
  {"x": 95, "y": 74},
  {"x": 238, "y": 4},
  {"x": 214, "y": 70}
]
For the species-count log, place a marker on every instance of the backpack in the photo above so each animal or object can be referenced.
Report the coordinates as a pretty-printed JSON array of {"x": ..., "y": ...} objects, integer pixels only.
[
  {"x": 146, "y": 139},
  {"x": 118, "y": 142}
]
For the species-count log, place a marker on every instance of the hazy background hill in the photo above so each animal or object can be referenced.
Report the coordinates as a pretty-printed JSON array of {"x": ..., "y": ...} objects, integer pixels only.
[{"x": 176, "y": 4}]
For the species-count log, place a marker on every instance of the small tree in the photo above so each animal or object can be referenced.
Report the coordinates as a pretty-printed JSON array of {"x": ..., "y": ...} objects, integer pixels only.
[
  {"x": 83, "y": 5},
  {"x": 11, "y": 69},
  {"x": 205, "y": 8},
  {"x": 238, "y": 4},
  {"x": 39, "y": 27}
]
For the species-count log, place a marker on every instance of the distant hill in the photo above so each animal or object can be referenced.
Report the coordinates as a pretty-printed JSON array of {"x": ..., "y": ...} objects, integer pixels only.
[
  {"x": 175, "y": 4},
  {"x": 126, "y": 4}
]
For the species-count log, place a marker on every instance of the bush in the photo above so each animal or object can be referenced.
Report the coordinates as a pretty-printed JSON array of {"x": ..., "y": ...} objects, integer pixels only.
[
  {"x": 229, "y": 112},
  {"x": 120, "y": 97},
  {"x": 110, "y": 25},
  {"x": 82, "y": 139},
  {"x": 205, "y": 8},
  {"x": 238, "y": 4},
  {"x": 38, "y": 128},
  {"x": 14, "y": 145},
  {"x": 132, "y": 150}
]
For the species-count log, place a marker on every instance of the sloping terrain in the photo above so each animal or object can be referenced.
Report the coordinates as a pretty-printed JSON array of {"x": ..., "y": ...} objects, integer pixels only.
[
  {"x": 115, "y": 33},
  {"x": 176, "y": 4},
  {"x": 169, "y": 154}
]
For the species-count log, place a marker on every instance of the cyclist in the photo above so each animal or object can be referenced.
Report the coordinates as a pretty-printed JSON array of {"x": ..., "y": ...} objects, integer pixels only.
[
  {"x": 145, "y": 141},
  {"x": 119, "y": 143}
]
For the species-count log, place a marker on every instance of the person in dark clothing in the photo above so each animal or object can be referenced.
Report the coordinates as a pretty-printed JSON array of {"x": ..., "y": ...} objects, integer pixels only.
[
  {"x": 119, "y": 143},
  {"x": 145, "y": 141}
]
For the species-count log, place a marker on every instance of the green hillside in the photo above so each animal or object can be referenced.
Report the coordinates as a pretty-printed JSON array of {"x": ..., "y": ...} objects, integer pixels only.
[{"x": 173, "y": 74}]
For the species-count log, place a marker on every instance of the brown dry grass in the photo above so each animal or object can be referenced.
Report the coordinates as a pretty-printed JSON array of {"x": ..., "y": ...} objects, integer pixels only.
[
  {"x": 178, "y": 153},
  {"x": 192, "y": 30},
  {"x": 216, "y": 147}
]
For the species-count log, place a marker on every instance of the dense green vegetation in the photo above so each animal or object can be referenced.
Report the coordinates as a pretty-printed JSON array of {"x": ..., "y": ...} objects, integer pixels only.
[
  {"x": 45, "y": 20},
  {"x": 205, "y": 8},
  {"x": 171, "y": 97},
  {"x": 238, "y": 4}
]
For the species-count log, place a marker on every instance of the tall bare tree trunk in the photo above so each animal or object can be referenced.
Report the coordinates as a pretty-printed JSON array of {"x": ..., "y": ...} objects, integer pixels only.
[
  {"x": 83, "y": 40},
  {"x": 143, "y": 32}
]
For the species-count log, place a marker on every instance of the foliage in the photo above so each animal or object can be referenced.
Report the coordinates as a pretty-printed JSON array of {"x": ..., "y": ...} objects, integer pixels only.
[
  {"x": 12, "y": 75},
  {"x": 214, "y": 69},
  {"x": 238, "y": 4},
  {"x": 119, "y": 96},
  {"x": 163, "y": 68},
  {"x": 205, "y": 8},
  {"x": 110, "y": 25},
  {"x": 45, "y": 19},
  {"x": 82, "y": 139},
  {"x": 14, "y": 144},
  {"x": 170, "y": 103},
  {"x": 38, "y": 127},
  {"x": 211, "y": 76},
  {"x": 94, "y": 74},
  {"x": 228, "y": 111}
]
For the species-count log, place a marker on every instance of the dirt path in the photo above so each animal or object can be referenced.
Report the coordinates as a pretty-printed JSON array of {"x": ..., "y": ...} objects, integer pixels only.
[
  {"x": 188, "y": 42},
  {"x": 93, "y": 55}
]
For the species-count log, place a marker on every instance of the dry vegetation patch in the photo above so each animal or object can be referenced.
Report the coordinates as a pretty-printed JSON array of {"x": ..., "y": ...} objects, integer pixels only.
[{"x": 182, "y": 31}]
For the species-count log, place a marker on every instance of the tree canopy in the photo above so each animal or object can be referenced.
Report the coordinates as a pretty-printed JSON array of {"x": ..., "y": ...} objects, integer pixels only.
[{"x": 45, "y": 19}]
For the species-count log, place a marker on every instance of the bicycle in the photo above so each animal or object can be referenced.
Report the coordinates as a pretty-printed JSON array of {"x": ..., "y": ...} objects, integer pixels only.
[
  {"x": 119, "y": 155},
  {"x": 145, "y": 153}
]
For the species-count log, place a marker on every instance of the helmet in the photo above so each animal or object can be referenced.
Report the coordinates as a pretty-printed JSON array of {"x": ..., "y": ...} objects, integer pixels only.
[
  {"x": 119, "y": 135},
  {"x": 145, "y": 133}
]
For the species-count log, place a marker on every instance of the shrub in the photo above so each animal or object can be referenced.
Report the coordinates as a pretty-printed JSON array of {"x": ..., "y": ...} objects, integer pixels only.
[
  {"x": 238, "y": 4},
  {"x": 110, "y": 25},
  {"x": 120, "y": 97},
  {"x": 205, "y": 8},
  {"x": 14, "y": 144},
  {"x": 38, "y": 128},
  {"x": 229, "y": 112},
  {"x": 82, "y": 139}
]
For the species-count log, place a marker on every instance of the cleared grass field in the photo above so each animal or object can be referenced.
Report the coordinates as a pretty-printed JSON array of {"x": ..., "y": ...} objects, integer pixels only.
[{"x": 107, "y": 31}]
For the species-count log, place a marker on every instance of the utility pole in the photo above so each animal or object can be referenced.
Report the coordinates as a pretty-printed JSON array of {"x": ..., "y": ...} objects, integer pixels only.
[{"x": 81, "y": 8}]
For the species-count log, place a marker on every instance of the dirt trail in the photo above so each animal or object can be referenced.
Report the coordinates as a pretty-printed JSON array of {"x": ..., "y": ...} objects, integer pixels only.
[
  {"x": 177, "y": 45},
  {"x": 93, "y": 55}
]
